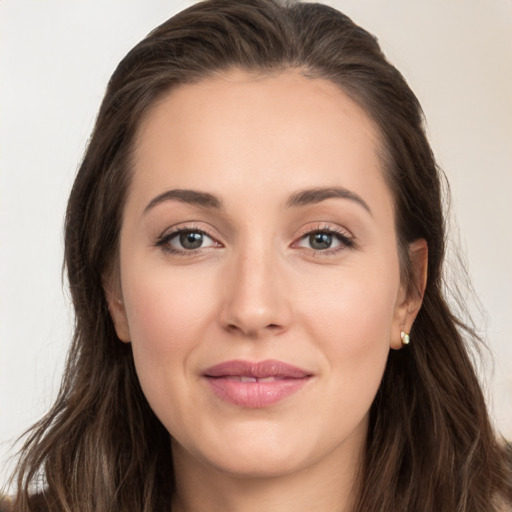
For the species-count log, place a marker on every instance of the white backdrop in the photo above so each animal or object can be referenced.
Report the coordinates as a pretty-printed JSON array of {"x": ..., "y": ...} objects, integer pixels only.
[{"x": 55, "y": 60}]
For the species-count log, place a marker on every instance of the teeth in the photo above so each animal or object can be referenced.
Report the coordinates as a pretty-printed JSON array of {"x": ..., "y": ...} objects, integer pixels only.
[{"x": 248, "y": 379}]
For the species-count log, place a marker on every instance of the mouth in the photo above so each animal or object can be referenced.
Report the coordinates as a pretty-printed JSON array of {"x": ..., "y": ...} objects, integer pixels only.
[
  {"x": 255, "y": 385},
  {"x": 247, "y": 378}
]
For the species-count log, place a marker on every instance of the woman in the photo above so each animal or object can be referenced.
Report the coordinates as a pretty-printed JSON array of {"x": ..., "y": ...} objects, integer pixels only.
[{"x": 254, "y": 245}]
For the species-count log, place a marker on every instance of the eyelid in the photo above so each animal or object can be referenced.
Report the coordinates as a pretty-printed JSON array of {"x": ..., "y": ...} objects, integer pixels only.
[
  {"x": 313, "y": 227},
  {"x": 163, "y": 240},
  {"x": 345, "y": 237}
]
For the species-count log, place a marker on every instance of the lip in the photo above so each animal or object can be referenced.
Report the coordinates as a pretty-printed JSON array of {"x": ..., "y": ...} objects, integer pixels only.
[{"x": 255, "y": 384}]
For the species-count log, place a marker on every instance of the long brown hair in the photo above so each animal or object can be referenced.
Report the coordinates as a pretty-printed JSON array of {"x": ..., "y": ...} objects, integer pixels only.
[{"x": 430, "y": 446}]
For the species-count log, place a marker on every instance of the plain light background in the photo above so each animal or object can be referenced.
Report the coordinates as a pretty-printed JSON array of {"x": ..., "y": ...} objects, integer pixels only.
[{"x": 55, "y": 60}]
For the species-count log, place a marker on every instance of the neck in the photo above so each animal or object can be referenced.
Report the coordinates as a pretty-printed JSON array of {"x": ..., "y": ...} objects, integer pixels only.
[{"x": 328, "y": 485}]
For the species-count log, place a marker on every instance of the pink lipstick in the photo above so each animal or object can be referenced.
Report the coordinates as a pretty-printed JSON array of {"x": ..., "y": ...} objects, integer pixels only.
[{"x": 255, "y": 385}]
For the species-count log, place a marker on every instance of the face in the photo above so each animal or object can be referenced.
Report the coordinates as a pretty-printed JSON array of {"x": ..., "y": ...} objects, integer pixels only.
[{"x": 259, "y": 275}]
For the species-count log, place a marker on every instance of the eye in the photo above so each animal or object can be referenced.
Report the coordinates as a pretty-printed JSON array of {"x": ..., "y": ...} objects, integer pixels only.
[
  {"x": 186, "y": 240},
  {"x": 320, "y": 241},
  {"x": 325, "y": 240},
  {"x": 191, "y": 239}
]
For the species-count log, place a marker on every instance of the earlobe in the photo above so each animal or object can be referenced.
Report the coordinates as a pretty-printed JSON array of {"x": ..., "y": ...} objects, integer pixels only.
[
  {"x": 116, "y": 308},
  {"x": 411, "y": 294}
]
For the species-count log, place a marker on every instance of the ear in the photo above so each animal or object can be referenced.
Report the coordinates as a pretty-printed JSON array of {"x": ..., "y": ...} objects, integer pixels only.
[
  {"x": 410, "y": 297},
  {"x": 114, "y": 296}
]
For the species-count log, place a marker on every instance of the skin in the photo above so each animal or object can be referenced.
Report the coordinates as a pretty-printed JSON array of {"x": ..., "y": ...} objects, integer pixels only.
[{"x": 258, "y": 289}]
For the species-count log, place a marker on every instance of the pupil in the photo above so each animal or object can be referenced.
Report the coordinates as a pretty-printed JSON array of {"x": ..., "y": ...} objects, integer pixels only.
[
  {"x": 320, "y": 240},
  {"x": 191, "y": 240}
]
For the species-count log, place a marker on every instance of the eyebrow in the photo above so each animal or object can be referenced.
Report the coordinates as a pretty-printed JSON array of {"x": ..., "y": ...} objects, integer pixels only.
[
  {"x": 317, "y": 195},
  {"x": 300, "y": 198},
  {"x": 186, "y": 196}
]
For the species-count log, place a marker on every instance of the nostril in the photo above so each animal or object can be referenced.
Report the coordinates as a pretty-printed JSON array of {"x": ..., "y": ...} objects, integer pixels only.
[
  {"x": 233, "y": 328},
  {"x": 252, "y": 333}
]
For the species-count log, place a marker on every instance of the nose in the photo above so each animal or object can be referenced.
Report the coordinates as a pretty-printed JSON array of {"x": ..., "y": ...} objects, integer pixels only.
[{"x": 255, "y": 296}]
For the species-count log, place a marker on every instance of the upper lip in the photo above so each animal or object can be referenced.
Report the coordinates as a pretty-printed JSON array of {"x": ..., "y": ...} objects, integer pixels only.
[{"x": 259, "y": 370}]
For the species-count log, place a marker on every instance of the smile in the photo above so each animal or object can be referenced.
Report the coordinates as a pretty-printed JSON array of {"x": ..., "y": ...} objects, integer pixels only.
[{"x": 255, "y": 385}]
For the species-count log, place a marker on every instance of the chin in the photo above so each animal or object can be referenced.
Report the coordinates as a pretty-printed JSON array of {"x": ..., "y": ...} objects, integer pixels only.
[
  {"x": 260, "y": 465},
  {"x": 264, "y": 454}
]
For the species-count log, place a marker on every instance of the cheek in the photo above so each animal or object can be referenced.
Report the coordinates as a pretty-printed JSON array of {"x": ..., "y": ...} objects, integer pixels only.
[
  {"x": 351, "y": 320},
  {"x": 165, "y": 308},
  {"x": 167, "y": 312},
  {"x": 158, "y": 320},
  {"x": 352, "y": 303}
]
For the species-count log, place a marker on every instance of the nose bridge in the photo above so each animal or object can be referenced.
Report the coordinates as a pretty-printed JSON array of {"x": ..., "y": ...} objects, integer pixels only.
[{"x": 255, "y": 295}]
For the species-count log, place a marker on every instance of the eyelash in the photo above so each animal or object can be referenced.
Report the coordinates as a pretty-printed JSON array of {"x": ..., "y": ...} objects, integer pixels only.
[
  {"x": 163, "y": 241},
  {"x": 345, "y": 240}
]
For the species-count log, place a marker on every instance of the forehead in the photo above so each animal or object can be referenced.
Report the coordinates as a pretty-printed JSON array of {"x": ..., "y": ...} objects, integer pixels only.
[{"x": 252, "y": 130}]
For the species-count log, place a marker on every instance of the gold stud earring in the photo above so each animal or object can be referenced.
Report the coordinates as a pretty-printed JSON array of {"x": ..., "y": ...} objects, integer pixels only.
[{"x": 405, "y": 338}]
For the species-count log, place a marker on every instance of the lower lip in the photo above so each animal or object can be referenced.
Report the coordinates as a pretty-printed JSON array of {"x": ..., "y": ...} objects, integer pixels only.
[{"x": 255, "y": 395}]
